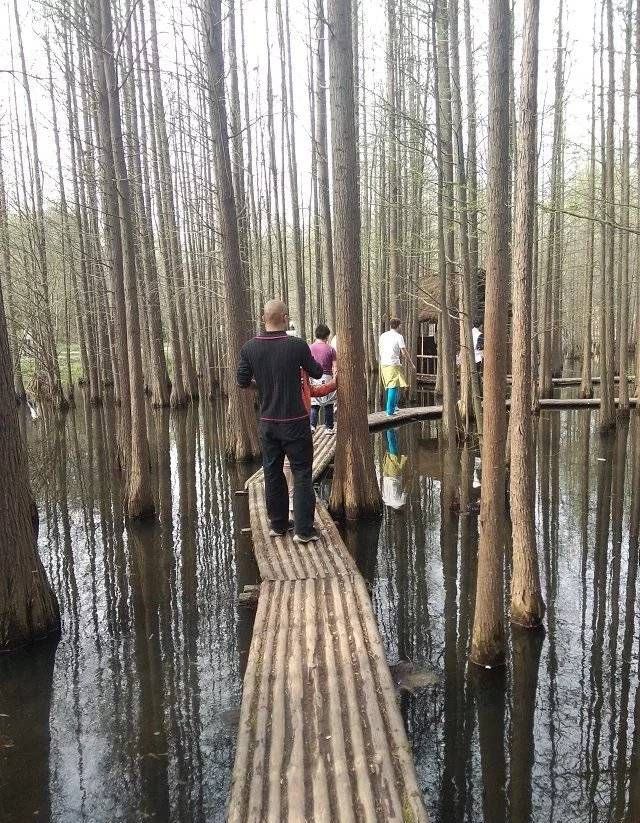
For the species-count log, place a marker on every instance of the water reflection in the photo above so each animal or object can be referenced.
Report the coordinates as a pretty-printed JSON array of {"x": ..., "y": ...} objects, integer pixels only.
[
  {"x": 554, "y": 736},
  {"x": 131, "y": 717},
  {"x": 127, "y": 719}
]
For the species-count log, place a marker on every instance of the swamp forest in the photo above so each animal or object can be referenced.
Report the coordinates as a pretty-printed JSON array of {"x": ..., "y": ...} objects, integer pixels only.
[{"x": 442, "y": 198}]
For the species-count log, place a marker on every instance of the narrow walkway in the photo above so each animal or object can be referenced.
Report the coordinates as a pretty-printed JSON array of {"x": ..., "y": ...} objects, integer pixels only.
[{"x": 321, "y": 737}]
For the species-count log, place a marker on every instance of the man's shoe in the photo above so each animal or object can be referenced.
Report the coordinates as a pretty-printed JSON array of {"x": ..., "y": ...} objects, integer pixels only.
[
  {"x": 330, "y": 431},
  {"x": 280, "y": 532},
  {"x": 307, "y": 538}
]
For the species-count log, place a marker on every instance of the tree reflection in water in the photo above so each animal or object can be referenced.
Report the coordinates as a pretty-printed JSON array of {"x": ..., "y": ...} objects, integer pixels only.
[{"x": 131, "y": 717}]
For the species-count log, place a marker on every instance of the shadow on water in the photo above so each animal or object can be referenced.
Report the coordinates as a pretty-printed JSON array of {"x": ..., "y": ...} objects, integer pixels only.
[{"x": 132, "y": 716}]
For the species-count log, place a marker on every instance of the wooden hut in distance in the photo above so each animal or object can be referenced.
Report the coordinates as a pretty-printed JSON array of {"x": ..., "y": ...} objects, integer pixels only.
[{"x": 428, "y": 299}]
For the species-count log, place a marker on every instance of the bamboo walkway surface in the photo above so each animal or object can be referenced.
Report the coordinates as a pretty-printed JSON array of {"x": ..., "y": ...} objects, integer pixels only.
[{"x": 320, "y": 737}]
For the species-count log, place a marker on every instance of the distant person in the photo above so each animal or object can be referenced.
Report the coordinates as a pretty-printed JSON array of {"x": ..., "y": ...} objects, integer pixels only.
[
  {"x": 291, "y": 331},
  {"x": 393, "y": 351},
  {"x": 273, "y": 360},
  {"x": 477, "y": 335},
  {"x": 326, "y": 356}
]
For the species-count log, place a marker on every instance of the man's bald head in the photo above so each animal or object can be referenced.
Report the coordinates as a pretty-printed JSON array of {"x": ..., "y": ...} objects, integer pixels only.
[{"x": 276, "y": 315}]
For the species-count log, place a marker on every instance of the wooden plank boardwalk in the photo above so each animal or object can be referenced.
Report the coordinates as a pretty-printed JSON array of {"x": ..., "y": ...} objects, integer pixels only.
[{"x": 320, "y": 737}]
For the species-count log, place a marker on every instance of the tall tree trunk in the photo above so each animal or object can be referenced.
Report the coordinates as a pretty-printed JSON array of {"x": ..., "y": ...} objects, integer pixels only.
[
  {"x": 545, "y": 384},
  {"x": 139, "y": 501},
  {"x": 636, "y": 336},
  {"x": 623, "y": 260},
  {"x": 393, "y": 186},
  {"x": 5, "y": 251},
  {"x": 586, "y": 384},
  {"x": 354, "y": 490},
  {"x": 527, "y": 605},
  {"x": 48, "y": 341},
  {"x": 446, "y": 238},
  {"x": 322, "y": 155},
  {"x": 487, "y": 647},
  {"x": 607, "y": 410},
  {"x": 28, "y": 606},
  {"x": 242, "y": 432},
  {"x": 472, "y": 162},
  {"x": 471, "y": 401}
]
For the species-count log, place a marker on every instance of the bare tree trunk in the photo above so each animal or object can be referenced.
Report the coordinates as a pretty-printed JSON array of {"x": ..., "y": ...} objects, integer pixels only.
[
  {"x": 472, "y": 162},
  {"x": 446, "y": 238},
  {"x": 354, "y": 491},
  {"x": 139, "y": 501},
  {"x": 545, "y": 384},
  {"x": 527, "y": 605},
  {"x": 322, "y": 154},
  {"x": 48, "y": 339},
  {"x": 160, "y": 384},
  {"x": 393, "y": 186},
  {"x": 14, "y": 346},
  {"x": 636, "y": 336},
  {"x": 242, "y": 432},
  {"x": 469, "y": 380},
  {"x": 607, "y": 410},
  {"x": 623, "y": 260},
  {"x": 28, "y": 606},
  {"x": 586, "y": 384},
  {"x": 487, "y": 647}
]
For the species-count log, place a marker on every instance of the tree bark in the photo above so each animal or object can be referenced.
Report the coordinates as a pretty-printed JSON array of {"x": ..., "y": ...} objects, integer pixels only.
[
  {"x": 586, "y": 384},
  {"x": 139, "y": 501},
  {"x": 322, "y": 156},
  {"x": 28, "y": 606},
  {"x": 242, "y": 432},
  {"x": 354, "y": 491},
  {"x": 487, "y": 647},
  {"x": 14, "y": 347},
  {"x": 527, "y": 605}
]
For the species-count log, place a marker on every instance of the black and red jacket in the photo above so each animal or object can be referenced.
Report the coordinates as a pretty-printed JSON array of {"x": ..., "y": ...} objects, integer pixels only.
[{"x": 274, "y": 359}]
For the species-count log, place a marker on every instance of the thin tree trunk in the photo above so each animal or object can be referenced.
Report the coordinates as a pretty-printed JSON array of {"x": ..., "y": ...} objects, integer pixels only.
[
  {"x": 623, "y": 261},
  {"x": 446, "y": 238},
  {"x": 14, "y": 346},
  {"x": 322, "y": 155},
  {"x": 586, "y": 385},
  {"x": 607, "y": 410},
  {"x": 469, "y": 380},
  {"x": 139, "y": 501},
  {"x": 527, "y": 605},
  {"x": 487, "y": 647},
  {"x": 242, "y": 433},
  {"x": 354, "y": 491}
]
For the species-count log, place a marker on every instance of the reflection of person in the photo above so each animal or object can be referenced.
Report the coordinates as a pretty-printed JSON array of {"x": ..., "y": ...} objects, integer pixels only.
[
  {"x": 393, "y": 466},
  {"x": 393, "y": 351},
  {"x": 326, "y": 356},
  {"x": 274, "y": 359}
]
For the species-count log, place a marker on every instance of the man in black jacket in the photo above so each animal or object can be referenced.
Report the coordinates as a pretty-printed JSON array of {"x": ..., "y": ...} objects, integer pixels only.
[{"x": 273, "y": 360}]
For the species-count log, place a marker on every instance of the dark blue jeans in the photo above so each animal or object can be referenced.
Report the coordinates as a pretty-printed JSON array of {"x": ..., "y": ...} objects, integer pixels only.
[
  {"x": 294, "y": 441},
  {"x": 328, "y": 415}
]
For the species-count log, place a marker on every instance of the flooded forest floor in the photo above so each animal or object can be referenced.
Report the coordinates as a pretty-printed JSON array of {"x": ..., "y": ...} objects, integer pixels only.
[{"x": 132, "y": 716}]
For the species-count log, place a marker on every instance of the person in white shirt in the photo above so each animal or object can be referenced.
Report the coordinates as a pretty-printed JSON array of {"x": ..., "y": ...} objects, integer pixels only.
[
  {"x": 393, "y": 351},
  {"x": 477, "y": 336},
  {"x": 291, "y": 331}
]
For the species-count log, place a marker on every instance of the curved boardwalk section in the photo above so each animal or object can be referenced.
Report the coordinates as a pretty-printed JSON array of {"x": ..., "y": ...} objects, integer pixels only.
[{"x": 320, "y": 736}]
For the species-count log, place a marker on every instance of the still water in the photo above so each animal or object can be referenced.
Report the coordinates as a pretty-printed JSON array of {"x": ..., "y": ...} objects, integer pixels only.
[{"x": 132, "y": 716}]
